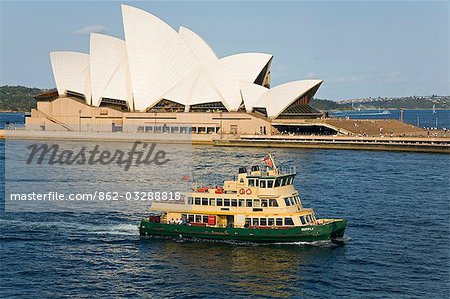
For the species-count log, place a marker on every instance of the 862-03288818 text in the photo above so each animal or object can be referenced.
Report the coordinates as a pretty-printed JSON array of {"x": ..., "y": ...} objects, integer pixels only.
[{"x": 99, "y": 195}]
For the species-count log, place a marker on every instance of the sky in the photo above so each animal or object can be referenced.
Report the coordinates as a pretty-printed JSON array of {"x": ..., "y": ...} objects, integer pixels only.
[{"x": 359, "y": 48}]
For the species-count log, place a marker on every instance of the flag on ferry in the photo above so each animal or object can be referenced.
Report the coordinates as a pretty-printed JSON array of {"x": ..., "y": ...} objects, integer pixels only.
[{"x": 268, "y": 161}]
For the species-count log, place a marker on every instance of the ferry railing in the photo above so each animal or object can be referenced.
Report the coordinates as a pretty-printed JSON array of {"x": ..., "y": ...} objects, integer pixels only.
[{"x": 268, "y": 171}]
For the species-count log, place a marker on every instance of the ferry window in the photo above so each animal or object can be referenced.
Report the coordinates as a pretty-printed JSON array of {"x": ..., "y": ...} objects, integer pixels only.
[
  {"x": 291, "y": 180},
  {"x": 302, "y": 219},
  {"x": 189, "y": 200},
  {"x": 191, "y": 218},
  {"x": 226, "y": 202},
  {"x": 262, "y": 183},
  {"x": 278, "y": 182},
  {"x": 212, "y": 201},
  {"x": 263, "y": 221},
  {"x": 234, "y": 202},
  {"x": 248, "y": 220},
  {"x": 270, "y": 221},
  {"x": 205, "y": 219},
  {"x": 273, "y": 203},
  {"x": 204, "y": 201},
  {"x": 269, "y": 183},
  {"x": 284, "y": 181},
  {"x": 251, "y": 182},
  {"x": 279, "y": 221},
  {"x": 249, "y": 203},
  {"x": 264, "y": 202},
  {"x": 286, "y": 200},
  {"x": 256, "y": 203},
  {"x": 314, "y": 217},
  {"x": 197, "y": 200},
  {"x": 292, "y": 200},
  {"x": 241, "y": 202},
  {"x": 198, "y": 218},
  {"x": 219, "y": 202},
  {"x": 288, "y": 221},
  {"x": 256, "y": 182},
  {"x": 183, "y": 216},
  {"x": 255, "y": 221},
  {"x": 308, "y": 218}
]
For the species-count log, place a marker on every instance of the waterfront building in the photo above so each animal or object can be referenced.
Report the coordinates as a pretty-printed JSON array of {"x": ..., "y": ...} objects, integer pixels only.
[
  {"x": 161, "y": 80},
  {"x": 158, "y": 77}
]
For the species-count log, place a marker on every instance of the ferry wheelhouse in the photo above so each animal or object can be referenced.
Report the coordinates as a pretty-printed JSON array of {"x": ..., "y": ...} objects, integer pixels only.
[{"x": 261, "y": 205}]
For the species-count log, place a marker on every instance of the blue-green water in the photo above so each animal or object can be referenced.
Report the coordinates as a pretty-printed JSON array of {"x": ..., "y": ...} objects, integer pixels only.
[
  {"x": 423, "y": 118},
  {"x": 11, "y": 118},
  {"x": 397, "y": 205}
]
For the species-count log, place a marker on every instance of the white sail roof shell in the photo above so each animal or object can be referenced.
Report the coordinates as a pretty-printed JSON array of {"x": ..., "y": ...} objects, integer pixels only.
[
  {"x": 219, "y": 81},
  {"x": 155, "y": 62},
  {"x": 204, "y": 54},
  {"x": 228, "y": 72},
  {"x": 157, "y": 55},
  {"x": 251, "y": 93},
  {"x": 109, "y": 69},
  {"x": 71, "y": 72},
  {"x": 196, "y": 88},
  {"x": 278, "y": 98}
]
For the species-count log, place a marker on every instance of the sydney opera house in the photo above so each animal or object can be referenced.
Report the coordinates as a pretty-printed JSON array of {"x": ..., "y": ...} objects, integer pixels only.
[{"x": 158, "y": 79}]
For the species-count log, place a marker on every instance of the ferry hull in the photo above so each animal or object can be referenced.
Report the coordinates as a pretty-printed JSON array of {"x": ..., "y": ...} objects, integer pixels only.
[{"x": 331, "y": 231}]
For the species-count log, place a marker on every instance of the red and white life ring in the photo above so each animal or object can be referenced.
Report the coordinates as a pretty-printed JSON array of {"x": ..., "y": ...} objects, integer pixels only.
[
  {"x": 249, "y": 191},
  {"x": 242, "y": 191}
]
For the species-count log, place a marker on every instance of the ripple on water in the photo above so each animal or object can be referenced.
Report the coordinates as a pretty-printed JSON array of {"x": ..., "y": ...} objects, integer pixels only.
[{"x": 398, "y": 238}]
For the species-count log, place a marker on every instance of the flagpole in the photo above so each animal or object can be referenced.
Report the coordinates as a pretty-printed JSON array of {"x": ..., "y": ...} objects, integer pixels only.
[{"x": 275, "y": 168}]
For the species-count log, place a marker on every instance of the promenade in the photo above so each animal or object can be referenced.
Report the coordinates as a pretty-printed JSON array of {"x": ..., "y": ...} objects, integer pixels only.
[{"x": 385, "y": 143}]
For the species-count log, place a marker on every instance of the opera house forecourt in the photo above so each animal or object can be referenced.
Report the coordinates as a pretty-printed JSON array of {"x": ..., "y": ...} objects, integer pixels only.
[{"x": 159, "y": 80}]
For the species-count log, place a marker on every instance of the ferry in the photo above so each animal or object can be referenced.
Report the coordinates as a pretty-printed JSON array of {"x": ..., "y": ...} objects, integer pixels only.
[{"x": 260, "y": 205}]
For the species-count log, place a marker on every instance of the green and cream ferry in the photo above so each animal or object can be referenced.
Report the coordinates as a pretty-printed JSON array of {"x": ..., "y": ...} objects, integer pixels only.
[{"x": 261, "y": 205}]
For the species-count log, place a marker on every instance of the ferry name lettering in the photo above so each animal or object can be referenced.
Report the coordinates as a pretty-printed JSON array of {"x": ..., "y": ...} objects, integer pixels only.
[
  {"x": 307, "y": 229},
  {"x": 94, "y": 156}
]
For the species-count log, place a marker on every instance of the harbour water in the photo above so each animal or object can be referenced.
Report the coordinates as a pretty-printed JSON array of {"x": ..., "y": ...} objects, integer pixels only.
[
  {"x": 398, "y": 236},
  {"x": 11, "y": 118},
  {"x": 422, "y": 118},
  {"x": 397, "y": 206}
]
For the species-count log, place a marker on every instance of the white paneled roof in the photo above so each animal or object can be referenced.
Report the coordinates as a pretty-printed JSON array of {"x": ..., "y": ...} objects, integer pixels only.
[
  {"x": 277, "y": 99},
  {"x": 202, "y": 51},
  {"x": 251, "y": 93},
  {"x": 109, "y": 69},
  {"x": 155, "y": 62},
  {"x": 71, "y": 72},
  {"x": 157, "y": 55},
  {"x": 228, "y": 72}
]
